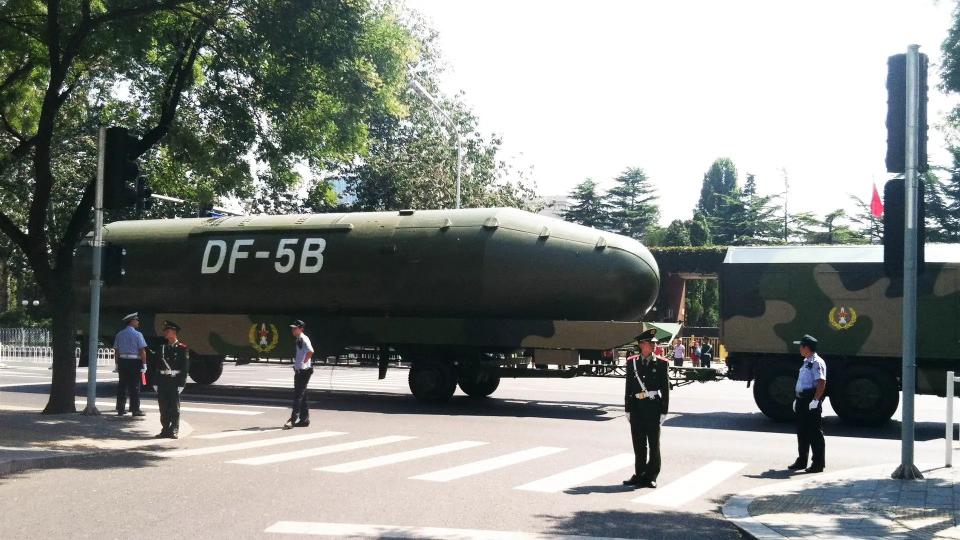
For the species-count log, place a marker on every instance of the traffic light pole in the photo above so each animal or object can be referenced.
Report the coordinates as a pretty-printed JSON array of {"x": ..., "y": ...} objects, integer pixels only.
[
  {"x": 95, "y": 283},
  {"x": 907, "y": 470}
]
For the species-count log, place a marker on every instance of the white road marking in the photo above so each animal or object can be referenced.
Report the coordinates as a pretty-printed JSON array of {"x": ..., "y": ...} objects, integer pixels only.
[
  {"x": 235, "y": 433},
  {"x": 488, "y": 465},
  {"x": 692, "y": 485},
  {"x": 248, "y": 445},
  {"x": 579, "y": 475},
  {"x": 358, "y": 530},
  {"x": 211, "y": 410},
  {"x": 400, "y": 457},
  {"x": 79, "y": 381},
  {"x": 15, "y": 374},
  {"x": 320, "y": 450}
]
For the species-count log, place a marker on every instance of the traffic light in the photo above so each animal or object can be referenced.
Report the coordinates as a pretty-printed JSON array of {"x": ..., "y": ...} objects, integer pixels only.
[
  {"x": 144, "y": 195},
  {"x": 113, "y": 271},
  {"x": 120, "y": 169},
  {"x": 897, "y": 114},
  {"x": 894, "y": 204}
]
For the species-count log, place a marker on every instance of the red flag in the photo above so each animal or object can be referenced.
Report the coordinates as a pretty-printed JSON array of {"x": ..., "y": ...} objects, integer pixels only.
[{"x": 876, "y": 205}]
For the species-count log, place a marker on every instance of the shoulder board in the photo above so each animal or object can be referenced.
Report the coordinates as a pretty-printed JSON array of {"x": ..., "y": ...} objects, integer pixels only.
[{"x": 182, "y": 345}]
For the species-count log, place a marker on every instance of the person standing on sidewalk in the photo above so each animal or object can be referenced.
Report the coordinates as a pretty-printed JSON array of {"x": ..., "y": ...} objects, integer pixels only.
[
  {"x": 302, "y": 371},
  {"x": 130, "y": 350},
  {"x": 811, "y": 387},
  {"x": 171, "y": 367},
  {"x": 679, "y": 352},
  {"x": 647, "y": 402}
]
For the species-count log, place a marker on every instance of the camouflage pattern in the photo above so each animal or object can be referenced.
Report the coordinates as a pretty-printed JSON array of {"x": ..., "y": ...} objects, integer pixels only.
[{"x": 487, "y": 279}]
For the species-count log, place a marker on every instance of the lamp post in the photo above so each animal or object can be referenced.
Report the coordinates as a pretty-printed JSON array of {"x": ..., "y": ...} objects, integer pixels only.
[{"x": 449, "y": 121}]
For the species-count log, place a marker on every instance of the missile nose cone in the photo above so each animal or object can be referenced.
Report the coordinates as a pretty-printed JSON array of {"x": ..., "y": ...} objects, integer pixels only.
[{"x": 633, "y": 277}]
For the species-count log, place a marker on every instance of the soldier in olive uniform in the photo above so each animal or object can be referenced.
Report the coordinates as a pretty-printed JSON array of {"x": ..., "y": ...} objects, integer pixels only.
[
  {"x": 647, "y": 403},
  {"x": 170, "y": 374}
]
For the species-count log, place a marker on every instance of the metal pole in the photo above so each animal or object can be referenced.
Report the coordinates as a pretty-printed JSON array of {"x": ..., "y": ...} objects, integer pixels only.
[
  {"x": 447, "y": 120},
  {"x": 907, "y": 469},
  {"x": 948, "y": 461},
  {"x": 459, "y": 164},
  {"x": 94, "y": 331}
]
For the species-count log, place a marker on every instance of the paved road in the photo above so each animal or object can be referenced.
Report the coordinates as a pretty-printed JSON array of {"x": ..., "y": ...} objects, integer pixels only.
[{"x": 541, "y": 457}]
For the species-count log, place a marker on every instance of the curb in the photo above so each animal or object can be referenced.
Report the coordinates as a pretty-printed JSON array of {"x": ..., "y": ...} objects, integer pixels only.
[{"x": 737, "y": 511}]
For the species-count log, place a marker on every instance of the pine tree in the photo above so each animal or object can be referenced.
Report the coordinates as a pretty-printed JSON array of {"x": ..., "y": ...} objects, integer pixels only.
[
  {"x": 589, "y": 207},
  {"x": 632, "y": 203},
  {"x": 677, "y": 234},
  {"x": 869, "y": 226}
]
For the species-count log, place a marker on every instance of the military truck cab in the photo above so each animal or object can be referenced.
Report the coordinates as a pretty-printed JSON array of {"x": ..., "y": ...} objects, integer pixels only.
[{"x": 770, "y": 296}]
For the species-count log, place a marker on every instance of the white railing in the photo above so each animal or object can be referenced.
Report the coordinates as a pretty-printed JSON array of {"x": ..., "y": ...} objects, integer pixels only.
[
  {"x": 948, "y": 425},
  {"x": 44, "y": 355}
]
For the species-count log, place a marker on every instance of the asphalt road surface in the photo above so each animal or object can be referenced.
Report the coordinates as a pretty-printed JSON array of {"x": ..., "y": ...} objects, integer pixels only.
[{"x": 540, "y": 457}]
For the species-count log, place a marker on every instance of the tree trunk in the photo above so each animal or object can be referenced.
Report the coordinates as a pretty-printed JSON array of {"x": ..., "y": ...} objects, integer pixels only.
[
  {"x": 64, "y": 313},
  {"x": 4, "y": 284}
]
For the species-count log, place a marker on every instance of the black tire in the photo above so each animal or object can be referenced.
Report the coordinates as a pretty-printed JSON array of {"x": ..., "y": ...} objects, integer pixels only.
[
  {"x": 478, "y": 380},
  {"x": 205, "y": 369},
  {"x": 864, "y": 396},
  {"x": 432, "y": 382},
  {"x": 774, "y": 391}
]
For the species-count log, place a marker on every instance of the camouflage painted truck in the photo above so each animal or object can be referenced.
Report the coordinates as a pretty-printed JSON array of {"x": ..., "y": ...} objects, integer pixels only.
[
  {"x": 456, "y": 292},
  {"x": 840, "y": 294}
]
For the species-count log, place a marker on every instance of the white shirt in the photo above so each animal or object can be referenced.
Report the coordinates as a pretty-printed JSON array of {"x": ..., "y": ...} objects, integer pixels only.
[
  {"x": 303, "y": 346},
  {"x": 679, "y": 351}
]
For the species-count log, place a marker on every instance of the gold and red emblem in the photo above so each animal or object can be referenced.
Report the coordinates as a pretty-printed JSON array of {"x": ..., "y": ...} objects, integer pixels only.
[
  {"x": 264, "y": 337},
  {"x": 842, "y": 317}
]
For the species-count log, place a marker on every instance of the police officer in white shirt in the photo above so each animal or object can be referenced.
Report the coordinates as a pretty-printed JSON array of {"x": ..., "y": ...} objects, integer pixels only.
[
  {"x": 810, "y": 389},
  {"x": 302, "y": 371},
  {"x": 130, "y": 350}
]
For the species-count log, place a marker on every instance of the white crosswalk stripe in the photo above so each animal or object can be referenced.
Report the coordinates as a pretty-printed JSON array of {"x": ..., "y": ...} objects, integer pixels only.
[
  {"x": 691, "y": 485},
  {"x": 575, "y": 477},
  {"x": 320, "y": 450},
  {"x": 487, "y": 465},
  {"x": 17, "y": 374},
  {"x": 400, "y": 457},
  {"x": 210, "y": 410},
  {"x": 359, "y": 530},
  {"x": 236, "y": 433},
  {"x": 235, "y": 447}
]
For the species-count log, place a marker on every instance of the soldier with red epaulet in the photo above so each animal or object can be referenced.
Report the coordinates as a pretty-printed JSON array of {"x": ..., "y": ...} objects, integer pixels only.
[
  {"x": 647, "y": 402},
  {"x": 170, "y": 376}
]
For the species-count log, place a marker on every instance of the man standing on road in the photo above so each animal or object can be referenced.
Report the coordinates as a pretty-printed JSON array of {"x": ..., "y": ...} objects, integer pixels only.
[
  {"x": 302, "y": 371},
  {"x": 647, "y": 403},
  {"x": 811, "y": 387},
  {"x": 679, "y": 351},
  {"x": 170, "y": 374},
  {"x": 130, "y": 350}
]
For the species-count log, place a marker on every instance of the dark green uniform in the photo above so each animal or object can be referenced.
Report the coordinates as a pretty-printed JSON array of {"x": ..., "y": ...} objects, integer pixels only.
[
  {"x": 645, "y": 412},
  {"x": 170, "y": 375}
]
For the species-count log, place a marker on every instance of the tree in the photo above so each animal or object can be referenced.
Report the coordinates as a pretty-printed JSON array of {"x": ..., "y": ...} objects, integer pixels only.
[
  {"x": 719, "y": 200},
  {"x": 206, "y": 85},
  {"x": 831, "y": 230},
  {"x": 870, "y": 227},
  {"x": 588, "y": 206},
  {"x": 700, "y": 230},
  {"x": 678, "y": 234},
  {"x": 632, "y": 202}
]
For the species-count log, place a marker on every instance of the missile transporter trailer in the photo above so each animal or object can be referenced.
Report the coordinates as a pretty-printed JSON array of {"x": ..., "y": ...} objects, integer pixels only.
[
  {"x": 770, "y": 296},
  {"x": 458, "y": 293}
]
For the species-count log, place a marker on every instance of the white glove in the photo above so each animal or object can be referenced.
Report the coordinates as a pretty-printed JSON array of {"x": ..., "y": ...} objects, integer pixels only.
[
  {"x": 663, "y": 418},
  {"x": 179, "y": 389},
  {"x": 143, "y": 368},
  {"x": 794, "y": 405},
  {"x": 628, "y": 417},
  {"x": 814, "y": 404}
]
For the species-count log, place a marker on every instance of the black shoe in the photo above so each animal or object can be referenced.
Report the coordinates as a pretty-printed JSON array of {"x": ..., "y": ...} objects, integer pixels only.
[
  {"x": 161, "y": 435},
  {"x": 632, "y": 481},
  {"x": 302, "y": 423},
  {"x": 121, "y": 413},
  {"x": 138, "y": 413},
  {"x": 290, "y": 423},
  {"x": 815, "y": 469},
  {"x": 652, "y": 484},
  {"x": 797, "y": 465},
  {"x": 172, "y": 435}
]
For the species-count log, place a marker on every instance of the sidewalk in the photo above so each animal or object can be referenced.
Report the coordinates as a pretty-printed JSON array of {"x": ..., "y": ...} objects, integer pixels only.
[
  {"x": 30, "y": 440},
  {"x": 855, "y": 503}
]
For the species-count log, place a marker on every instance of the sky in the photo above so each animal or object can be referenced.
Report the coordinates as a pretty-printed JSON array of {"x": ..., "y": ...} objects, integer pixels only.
[{"x": 586, "y": 89}]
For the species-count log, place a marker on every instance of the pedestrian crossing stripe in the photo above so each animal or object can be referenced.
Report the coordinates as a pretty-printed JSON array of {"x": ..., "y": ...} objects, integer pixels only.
[
  {"x": 235, "y": 433},
  {"x": 691, "y": 485},
  {"x": 578, "y": 476},
  {"x": 262, "y": 443},
  {"x": 400, "y": 457},
  {"x": 210, "y": 410},
  {"x": 320, "y": 451},
  {"x": 357, "y": 530},
  {"x": 16, "y": 374},
  {"x": 487, "y": 465}
]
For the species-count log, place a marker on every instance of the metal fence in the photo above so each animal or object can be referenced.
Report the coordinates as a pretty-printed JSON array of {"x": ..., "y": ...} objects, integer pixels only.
[
  {"x": 35, "y": 354},
  {"x": 36, "y": 337}
]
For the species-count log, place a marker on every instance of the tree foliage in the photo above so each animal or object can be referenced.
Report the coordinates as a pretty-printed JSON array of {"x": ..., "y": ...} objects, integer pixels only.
[
  {"x": 588, "y": 206},
  {"x": 632, "y": 203}
]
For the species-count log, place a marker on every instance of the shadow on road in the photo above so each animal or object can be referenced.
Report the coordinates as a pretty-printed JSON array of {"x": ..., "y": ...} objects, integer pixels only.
[{"x": 632, "y": 524}]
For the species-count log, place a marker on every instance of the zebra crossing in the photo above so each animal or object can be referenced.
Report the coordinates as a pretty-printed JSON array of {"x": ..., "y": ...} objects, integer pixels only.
[
  {"x": 19, "y": 375},
  {"x": 272, "y": 447}
]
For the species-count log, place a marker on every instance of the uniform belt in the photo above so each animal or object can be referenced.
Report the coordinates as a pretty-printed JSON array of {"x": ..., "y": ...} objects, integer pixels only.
[
  {"x": 807, "y": 393},
  {"x": 650, "y": 394},
  {"x": 122, "y": 357},
  {"x": 172, "y": 372}
]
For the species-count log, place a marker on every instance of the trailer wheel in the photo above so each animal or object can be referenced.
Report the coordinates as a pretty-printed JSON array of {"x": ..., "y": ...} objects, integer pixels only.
[
  {"x": 478, "y": 380},
  {"x": 433, "y": 382},
  {"x": 774, "y": 391},
  {"x": 205, "y": 369},
  {"x": 865, "y": 396}
]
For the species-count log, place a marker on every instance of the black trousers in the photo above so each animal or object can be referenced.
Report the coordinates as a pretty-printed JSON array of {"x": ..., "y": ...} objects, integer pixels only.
[
  {"x": 301, "y": 410},
  {"x": 810, "y": 431},
  {"x": 129, "y": 371},
  {"x": 645, "y": 432},
  {"x": 705, "y": 361},
  {"x": 168, "y": 399}
]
